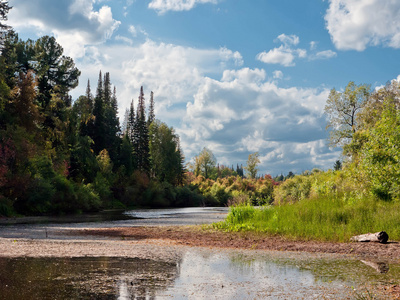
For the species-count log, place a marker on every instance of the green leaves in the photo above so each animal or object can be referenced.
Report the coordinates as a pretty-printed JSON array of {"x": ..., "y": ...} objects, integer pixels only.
[
  {"x": 379, "y": 157},
  {"x": 342, "y": 110}
]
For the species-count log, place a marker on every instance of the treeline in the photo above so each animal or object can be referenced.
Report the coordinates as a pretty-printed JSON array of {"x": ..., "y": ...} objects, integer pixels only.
[{"x": 62, "y": 156}]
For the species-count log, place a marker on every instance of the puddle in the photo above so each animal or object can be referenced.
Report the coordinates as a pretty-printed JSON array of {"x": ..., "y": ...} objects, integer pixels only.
[{"x": 196, "y": 274}]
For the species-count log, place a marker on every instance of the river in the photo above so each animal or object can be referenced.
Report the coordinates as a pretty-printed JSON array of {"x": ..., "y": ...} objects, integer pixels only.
[{"x": 153, "y": 271}]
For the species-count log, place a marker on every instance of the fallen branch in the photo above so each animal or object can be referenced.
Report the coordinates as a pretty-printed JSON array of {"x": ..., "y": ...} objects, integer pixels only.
[
  {"x": 380, "y": 267},
  {"x": 381, "y": 237}
]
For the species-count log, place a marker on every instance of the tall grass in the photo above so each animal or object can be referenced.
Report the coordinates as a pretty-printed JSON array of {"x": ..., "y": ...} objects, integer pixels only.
[{"x": 329, "y": 218}]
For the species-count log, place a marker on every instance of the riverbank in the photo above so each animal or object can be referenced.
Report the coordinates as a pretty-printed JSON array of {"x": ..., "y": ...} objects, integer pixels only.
[
  {"x": 195, "y": 236},
  {"x": 166, "y": 243},
  {"x": 199, "y": 237}
]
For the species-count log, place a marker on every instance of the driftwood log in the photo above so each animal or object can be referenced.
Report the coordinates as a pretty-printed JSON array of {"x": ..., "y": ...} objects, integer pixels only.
[
  {"x": 381, "y": 237},
  {"x": 379, "y": 266}
]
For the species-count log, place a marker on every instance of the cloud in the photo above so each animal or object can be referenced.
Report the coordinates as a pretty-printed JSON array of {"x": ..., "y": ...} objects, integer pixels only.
[
  {"x": 74, "y": 24},
  {"x": 205, "y": 94},
  {"x": 357, "y": 24},
  {"x": 128, "y": 4},
  {"x": 285, "y": 54},
  {"x": 171, "y": 71},
  {"x": 323, "y": 55},
  {"x": 313, "y": 45},
  {"x": 124, "y": 39},
  {"x": 278, "y": 74},
  {"x": 162, "y": 6},
  {"x": 289, "y": 40},
  {"x": 245, "y": 113},
  {"x": 240, "y": 113},
  {"x": 132, "y": 30}
]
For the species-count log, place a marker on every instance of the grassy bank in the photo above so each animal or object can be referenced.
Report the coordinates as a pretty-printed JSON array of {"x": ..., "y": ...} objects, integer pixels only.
[{"x": 333, "y": 219}]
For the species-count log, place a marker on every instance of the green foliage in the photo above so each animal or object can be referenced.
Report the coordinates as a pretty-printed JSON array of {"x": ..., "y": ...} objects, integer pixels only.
[
  {"x": 204, "y": 163},
  {"x": 234, "y": 189},
  {"x": 59, "y": 159},
  {"x": 165, "y": 155},
  {"x": 6, "y": 208},
  {"x": 342, "y": 110},
  {"x": 252, "y": 162},
  {"x": 380, "y": 155},
  {"x": 326, "y": 218}
]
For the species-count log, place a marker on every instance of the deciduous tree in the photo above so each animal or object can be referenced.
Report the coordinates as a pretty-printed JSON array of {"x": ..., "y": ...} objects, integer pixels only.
[
  {"x": 252, "y": 163},
  {"x": 342, "y": 109},
  {"x": 205, "y": 162}
]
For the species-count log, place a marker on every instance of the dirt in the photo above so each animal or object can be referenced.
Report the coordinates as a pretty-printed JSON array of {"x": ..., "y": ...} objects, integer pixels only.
[{"x": 196, "y": 236}]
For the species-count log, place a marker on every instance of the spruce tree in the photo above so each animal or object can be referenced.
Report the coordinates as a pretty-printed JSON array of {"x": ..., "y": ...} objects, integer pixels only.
[
  {"x": 89, "y": 96},
  {"x": 112, "y": 122},
  {"x": 99, "y": 130},
  {"x": 141, "y": 136},
  {"x": 130, "y": 124},
  {"x": 151, "y": 117}
]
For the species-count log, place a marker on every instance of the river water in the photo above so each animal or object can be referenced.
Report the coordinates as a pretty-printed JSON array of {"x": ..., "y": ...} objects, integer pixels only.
[{"x": 182, "y": 272}]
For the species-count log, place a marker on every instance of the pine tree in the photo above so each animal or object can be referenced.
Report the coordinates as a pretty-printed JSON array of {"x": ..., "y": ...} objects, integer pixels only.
[
  {"x": 99, "y": 130},
  {"x": 141, "y": 136},
  {"x": 89, "y": 96},
  {"x": 4, "y": 9},
  {"x": 107, "y": 89},
  {"x": 112, "y": 124},
  {"x": 126, "y": 155},
  {"x": 130, "y": 123},
  {"x": 151, "y": 117},
  {"x": 181, "y": 167}
]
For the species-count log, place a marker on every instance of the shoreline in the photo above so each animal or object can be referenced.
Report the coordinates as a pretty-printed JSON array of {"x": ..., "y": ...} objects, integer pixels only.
[
  {"x": 169, "y": 243},
  {"x": 195, "y": 236},
  {"x": 79, "y": 241}
]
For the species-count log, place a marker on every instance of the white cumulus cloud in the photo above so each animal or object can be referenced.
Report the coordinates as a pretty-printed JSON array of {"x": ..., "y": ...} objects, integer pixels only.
[
  {"x": 357, "y": 24},
  {"x": 162, "y": 6},
  {"x": 323, "y": 55},
  {"x": 284, "y": 55},
  {"x": 74, "y": 23}
]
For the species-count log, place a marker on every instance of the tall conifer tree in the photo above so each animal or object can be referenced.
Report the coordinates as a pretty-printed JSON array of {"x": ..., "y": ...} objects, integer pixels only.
[
  {"x": 89, "y": 95},
  {"x": 130, "y": 124},
  {"x": 99, "y": 129},
  {"x": 141, "y": 136},
  {"x": 151, "y": 117}
]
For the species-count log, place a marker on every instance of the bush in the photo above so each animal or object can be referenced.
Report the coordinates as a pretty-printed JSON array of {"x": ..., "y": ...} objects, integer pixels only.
[
  {"x": 186, "y": 197},
  {"x": 6, "y": 209}
]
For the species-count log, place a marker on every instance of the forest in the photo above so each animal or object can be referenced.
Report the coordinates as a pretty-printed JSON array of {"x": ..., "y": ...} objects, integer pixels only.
[{"x": 61, "y": 155}]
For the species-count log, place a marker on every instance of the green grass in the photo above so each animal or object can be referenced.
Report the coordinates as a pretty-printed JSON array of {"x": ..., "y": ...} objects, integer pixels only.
[{"x": 326, "y": 219}]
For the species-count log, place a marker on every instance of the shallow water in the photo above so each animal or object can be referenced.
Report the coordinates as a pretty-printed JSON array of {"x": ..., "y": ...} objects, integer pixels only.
[
  {"x": 187, "y": 273},
  {"x": 195, "y": 274},
  {"x": 53, "y": 227}
]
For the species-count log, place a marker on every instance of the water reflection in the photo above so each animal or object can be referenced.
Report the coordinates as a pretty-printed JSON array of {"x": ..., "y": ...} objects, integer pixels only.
[
  {"x": 84, "y": 278},
  {"x": 196, "y": 274}
]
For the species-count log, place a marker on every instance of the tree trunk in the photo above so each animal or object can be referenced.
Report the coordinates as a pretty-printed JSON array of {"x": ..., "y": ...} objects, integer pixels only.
[
  {"x": 380, "y": 267},
  {"x": 381, "y": 237}
]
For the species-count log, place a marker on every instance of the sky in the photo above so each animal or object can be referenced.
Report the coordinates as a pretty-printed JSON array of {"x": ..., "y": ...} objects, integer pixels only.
[{"x": 235, "y": 76}]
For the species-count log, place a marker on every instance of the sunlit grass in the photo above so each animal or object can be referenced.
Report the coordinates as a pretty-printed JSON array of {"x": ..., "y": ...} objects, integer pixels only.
[{"x": 325, "y": 219}]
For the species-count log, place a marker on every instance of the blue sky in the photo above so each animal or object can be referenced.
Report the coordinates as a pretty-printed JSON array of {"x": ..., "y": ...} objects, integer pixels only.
[{"x": 232, "y": 75}]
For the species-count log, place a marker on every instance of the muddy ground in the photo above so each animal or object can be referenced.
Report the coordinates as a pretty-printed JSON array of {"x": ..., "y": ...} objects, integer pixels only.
[{"x": 196, "y": 236}]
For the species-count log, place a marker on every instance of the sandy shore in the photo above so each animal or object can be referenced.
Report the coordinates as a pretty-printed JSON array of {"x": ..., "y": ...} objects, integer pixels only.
[{"x": 139, "y": 241}]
